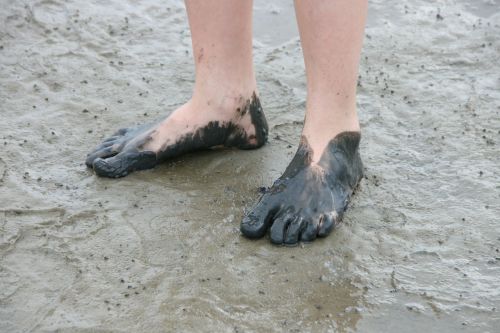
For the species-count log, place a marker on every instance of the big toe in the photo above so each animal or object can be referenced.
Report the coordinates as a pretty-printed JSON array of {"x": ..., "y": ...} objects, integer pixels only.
[
  {"x": 256, "y": 223},
  {"x": 124, "y": 163}
]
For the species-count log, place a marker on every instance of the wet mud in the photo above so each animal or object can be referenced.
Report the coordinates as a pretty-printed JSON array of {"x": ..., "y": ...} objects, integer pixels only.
[{"x": 161, "y": 250}]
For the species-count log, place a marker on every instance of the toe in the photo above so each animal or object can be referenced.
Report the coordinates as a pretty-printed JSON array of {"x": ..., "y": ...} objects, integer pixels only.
[
  {"x": 294, "y": 230},
  {"x": 103, "y": 151},
  {"x": 256, "y": 223},
  {"x": 279, "y": 228},
  {"x": 326, "y": 224},
  {"x": 112, "y": 138},
  {"x": 309, "y": 232},
  {"x": 121, "y": 132},
  {"x": 124, "y": 163}
]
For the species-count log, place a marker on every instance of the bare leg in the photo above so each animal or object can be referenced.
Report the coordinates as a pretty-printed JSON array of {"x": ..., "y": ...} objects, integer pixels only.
[
  {"x": 331, "y": 33},
  {"x": 224, "y": 109},
  {"x": 312, "y": 195}
]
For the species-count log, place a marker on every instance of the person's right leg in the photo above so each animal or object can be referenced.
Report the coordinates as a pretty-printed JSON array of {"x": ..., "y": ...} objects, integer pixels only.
[{"x": 224, "y": 109}]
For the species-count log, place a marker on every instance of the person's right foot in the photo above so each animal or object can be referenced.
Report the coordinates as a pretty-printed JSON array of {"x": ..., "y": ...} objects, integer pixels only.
[{"x": 240, "y": 123}]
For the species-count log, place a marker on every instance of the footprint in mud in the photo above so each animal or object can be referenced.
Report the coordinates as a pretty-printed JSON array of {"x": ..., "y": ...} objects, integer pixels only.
[{"x": 18, "y": 221}]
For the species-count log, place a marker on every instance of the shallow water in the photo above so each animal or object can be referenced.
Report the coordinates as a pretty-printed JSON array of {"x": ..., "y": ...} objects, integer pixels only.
[{"x": 160, "y": 250}]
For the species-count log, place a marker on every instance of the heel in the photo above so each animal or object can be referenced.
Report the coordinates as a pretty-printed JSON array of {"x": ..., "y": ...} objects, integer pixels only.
[{"x": 238, "y": 138}]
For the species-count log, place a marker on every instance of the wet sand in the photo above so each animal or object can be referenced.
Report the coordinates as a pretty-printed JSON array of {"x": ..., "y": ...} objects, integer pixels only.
[{"x": 160, "y": 250}]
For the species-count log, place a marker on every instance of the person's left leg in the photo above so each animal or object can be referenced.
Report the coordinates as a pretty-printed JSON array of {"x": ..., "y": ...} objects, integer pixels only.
[{"x": 309, "y": 199}]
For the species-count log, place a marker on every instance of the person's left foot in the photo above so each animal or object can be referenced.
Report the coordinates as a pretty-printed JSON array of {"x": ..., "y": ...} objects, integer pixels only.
[{"x": 309, "y": 199}]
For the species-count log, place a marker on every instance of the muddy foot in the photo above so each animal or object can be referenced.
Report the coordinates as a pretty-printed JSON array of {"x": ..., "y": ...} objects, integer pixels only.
[
  {"x": 309, "y": 199},
  {"x": 187, "y": 129}
]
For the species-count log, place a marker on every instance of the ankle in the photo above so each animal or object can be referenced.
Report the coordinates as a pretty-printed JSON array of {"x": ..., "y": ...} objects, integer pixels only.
[
  {"x": 224, "y": 102},
  {"x": 320, "y": 130}
]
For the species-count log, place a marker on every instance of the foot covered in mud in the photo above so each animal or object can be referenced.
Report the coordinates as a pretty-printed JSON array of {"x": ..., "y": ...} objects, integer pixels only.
[
  {"x": 185, "y": 130},
  {"x": 309, "y": 199}
]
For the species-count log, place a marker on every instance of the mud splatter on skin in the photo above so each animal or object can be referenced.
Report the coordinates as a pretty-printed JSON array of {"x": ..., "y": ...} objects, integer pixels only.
[
  {"x": 308, "y": 200},
  {"x": 115, "y": 157}
]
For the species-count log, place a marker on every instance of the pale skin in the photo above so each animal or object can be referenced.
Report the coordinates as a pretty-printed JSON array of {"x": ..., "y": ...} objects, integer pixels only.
[
  {"x": 224, "y": 110},
  {"x": 331, "y": 32},
  {"x": 222, "y": 49}
]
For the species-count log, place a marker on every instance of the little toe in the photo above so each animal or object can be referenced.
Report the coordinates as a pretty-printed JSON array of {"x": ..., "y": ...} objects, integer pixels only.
[
  {"x": 293, "y": 231},
  {"x": 279, "y": 228},
  {"x": 122, "y": 164},
  {"x": 256, "y": 223},
  {"x": 326, "y": 224}
]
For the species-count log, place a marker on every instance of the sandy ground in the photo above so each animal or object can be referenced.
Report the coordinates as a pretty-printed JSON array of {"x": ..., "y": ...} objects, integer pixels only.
[{"x": 160, "y": 250}]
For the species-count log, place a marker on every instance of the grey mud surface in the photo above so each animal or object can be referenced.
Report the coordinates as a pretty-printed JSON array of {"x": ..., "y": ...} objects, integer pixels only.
[{"x": 161, "y": 251}]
